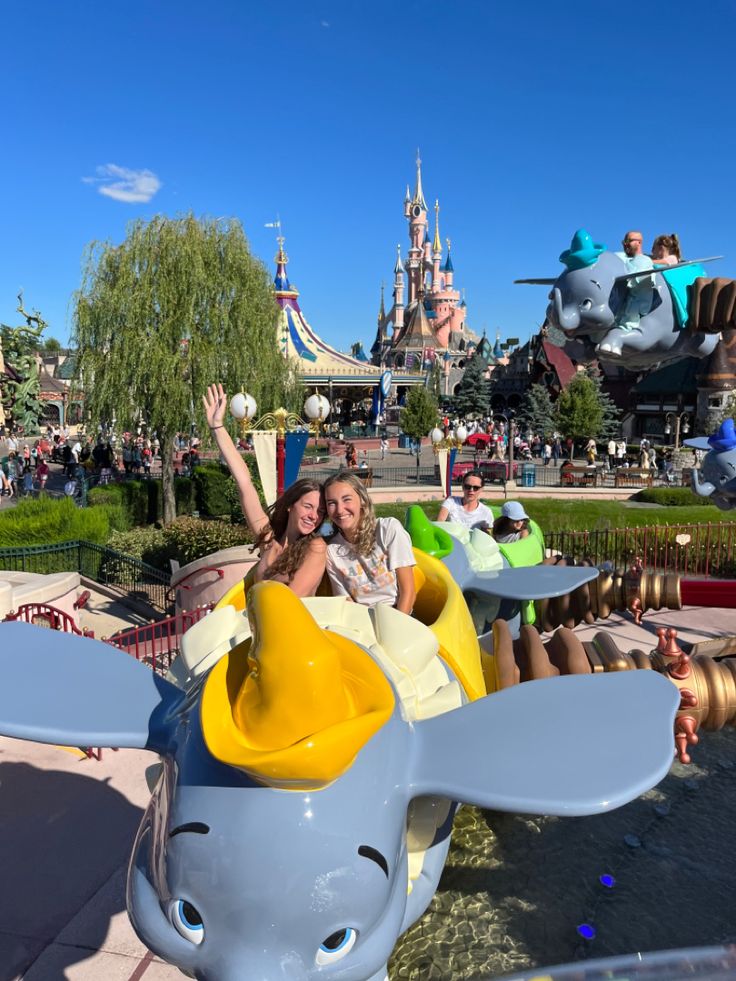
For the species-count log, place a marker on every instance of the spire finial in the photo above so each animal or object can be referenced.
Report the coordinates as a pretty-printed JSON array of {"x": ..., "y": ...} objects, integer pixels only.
[
  {"x": 449, "y": 244},
  {"x": 419, "y": 193},
  {"x": 398, "y": 268},
  {"x": 382, "y": 309},
  {"x": 437, "y": 244},
  {"x": 281, "y": 256}
]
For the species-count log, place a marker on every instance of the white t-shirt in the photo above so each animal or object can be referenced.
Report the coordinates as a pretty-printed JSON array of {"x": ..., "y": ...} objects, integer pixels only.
[
  {"x": 370, "y": 579},
  {"x": 471, "y": 519}
]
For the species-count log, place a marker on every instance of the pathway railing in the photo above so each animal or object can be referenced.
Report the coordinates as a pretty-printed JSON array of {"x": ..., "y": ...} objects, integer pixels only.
[
  {"x": 707, "y": 549},
  {"x": 104, "y": 565}
]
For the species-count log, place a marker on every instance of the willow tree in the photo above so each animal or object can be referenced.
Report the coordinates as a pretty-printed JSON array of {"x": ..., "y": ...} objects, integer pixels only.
[{"x": 179, "y": 304}]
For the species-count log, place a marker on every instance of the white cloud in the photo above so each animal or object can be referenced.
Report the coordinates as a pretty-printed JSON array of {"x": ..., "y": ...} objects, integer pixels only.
[
  {"x": 324, "y": 23},
  {"x": 123, "y": 184}
]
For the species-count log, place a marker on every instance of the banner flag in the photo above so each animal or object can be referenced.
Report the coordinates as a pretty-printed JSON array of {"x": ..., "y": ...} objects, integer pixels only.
[
  {"x": 264, "y": 444},
  {"x": 442, "y": 461},
  {"x": 295, "y": 445}
]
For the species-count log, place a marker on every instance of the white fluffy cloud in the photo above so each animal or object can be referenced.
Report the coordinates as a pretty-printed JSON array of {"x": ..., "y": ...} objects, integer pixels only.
[{"x": 124, "y": 184}]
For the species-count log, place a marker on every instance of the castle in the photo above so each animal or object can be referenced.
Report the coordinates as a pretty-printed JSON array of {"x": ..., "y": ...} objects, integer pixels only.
[{"x": 432, "y": 322}]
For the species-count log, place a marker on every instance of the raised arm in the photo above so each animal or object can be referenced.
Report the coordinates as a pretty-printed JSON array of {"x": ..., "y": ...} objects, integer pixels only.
[{"x": 215, "y": 404}]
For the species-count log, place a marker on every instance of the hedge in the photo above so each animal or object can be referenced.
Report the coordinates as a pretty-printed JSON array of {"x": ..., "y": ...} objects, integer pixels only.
[
  {"x": 670, "y": 497},
  {"x": 143, "y": 500},
  {"x": 47, "y": 521},
  {"x": 185, "y": 540},
  {"x": 216, "y": 493}
]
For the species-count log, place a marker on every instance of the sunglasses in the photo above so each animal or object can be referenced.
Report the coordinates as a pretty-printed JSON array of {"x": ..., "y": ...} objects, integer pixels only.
[{"x": 472, "y": 486}]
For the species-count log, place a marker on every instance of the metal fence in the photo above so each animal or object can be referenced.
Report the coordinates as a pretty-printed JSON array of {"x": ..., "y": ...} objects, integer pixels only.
[
  {"x": 104, "y": 565},
  {"x": 695, "y": 549},
  {"x": 383, "y": 476},
  {"x": 157, "y": 644}
]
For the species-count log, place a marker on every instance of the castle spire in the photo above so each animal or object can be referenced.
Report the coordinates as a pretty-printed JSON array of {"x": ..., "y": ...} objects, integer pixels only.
[
  {"x": 419, "y": 193},
  {"x": 398, "y": 268},
  {"x": 382, "y": 308},
  {"x": 437, "y": 244}
]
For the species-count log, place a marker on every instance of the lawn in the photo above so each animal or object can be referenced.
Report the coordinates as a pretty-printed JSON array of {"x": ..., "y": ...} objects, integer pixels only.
[{"x": 553, "y": 514}]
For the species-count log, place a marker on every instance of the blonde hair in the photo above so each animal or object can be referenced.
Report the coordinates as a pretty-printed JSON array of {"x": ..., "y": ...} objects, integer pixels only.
[{"x": 365, "y": 534}]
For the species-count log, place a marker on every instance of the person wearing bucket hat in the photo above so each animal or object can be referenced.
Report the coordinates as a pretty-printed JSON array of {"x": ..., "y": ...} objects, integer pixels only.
[{"x": 512, "y": 524}]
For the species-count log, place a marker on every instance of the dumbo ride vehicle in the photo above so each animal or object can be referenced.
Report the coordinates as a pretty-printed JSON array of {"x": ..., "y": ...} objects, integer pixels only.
[
  {"x": 637, "y": 318},
  {"x": 716, "y": 477},
  {"x": 313, "y": 753}
]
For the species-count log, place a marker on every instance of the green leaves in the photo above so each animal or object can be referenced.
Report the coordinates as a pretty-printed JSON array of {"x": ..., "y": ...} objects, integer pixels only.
[{"x": 179, "y": 304}]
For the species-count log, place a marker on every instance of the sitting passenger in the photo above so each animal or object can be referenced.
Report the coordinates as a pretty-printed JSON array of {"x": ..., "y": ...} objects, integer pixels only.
[
  {"x": 288, "y": 537},
  {"x": 369, "y": 559},
  {"x": 468, "y": 510},
  {"x": 512, "y": 525},
  {"x": 666, "y": 250},
  {"x": 639, "y": 291}
]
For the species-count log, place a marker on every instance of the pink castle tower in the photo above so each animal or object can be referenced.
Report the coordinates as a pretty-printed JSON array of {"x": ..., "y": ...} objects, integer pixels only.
[{"x": 440, "y": 325}]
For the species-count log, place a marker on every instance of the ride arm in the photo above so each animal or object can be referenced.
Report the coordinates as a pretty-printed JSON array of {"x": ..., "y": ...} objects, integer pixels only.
[{"x": 703, "y": 488}]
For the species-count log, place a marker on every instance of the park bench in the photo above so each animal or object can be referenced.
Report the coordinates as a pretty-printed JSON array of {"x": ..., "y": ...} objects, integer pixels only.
[
  {"x": 364, "y": 473},
  {"x": 632, "y": 477},
  {"x": 572, "y": 476}
]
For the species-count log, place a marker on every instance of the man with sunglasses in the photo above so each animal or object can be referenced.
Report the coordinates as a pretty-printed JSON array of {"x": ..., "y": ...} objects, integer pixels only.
[
  {"x": 468, "y": 510},
  {"x": 639, "y": 292}
]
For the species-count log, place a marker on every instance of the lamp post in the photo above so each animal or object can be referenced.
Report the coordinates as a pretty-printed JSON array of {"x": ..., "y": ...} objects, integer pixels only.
[
  {"x": 682, "y": 424},
  {"x": 453, "y": 441},
  {"x": 510, "y": 426},
  {"x": 243, "y": 407}
]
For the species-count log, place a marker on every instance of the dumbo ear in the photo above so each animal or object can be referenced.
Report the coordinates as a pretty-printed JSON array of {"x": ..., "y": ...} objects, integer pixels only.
[
  {"x": 571, "y": 745},
  {"x": 61, "y": 688},
  {"x": 532, "y": 582}
]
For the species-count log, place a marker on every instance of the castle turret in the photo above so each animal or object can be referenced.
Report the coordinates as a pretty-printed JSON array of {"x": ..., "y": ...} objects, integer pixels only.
[
  {"x": 436, "y": 249},
  {"x": 398, "y": 292},
  {"x": 448, "y": 269},
  {"x": 407, "y": 203}
]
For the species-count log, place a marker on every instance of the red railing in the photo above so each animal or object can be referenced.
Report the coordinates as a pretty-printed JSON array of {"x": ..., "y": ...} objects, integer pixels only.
[
  {"x": 157, "y": 644},
  {"x": 693, "y": 550},
  {"x": 181, "y": 584},
  {"x": 44, "y": 615}
]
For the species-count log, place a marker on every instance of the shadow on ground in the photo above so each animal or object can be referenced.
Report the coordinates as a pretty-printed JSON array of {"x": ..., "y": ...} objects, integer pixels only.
[{"x": 52, "y": 866}]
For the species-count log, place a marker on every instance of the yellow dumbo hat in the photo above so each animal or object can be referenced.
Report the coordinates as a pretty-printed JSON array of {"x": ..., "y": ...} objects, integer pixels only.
[{"x": 293, "y": 705}]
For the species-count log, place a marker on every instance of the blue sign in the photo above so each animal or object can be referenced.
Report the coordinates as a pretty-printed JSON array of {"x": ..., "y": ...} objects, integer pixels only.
[{"x": 295, "y": 444}]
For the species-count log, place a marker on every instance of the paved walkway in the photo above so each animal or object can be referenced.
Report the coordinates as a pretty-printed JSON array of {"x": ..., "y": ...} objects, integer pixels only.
[{"x": 67, "y": 824}]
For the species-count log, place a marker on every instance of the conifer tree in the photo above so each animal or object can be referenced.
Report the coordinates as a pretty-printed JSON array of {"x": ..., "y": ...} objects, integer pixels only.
[
  {"x": 179, "y": 304},
  {"x": 537, "y": 411},
  {"x": 473, "y": 392}
]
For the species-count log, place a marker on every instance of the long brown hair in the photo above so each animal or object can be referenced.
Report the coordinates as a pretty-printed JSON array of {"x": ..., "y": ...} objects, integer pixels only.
[
  {"x": 365, "y": 535},
  {"x": 278, "y": 518}
]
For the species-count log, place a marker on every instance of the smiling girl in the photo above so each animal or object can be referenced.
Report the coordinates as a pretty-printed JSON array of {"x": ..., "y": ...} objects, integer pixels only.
[
  {"x": 369, "y": 559},
  {"x": 287, "y": 535}
]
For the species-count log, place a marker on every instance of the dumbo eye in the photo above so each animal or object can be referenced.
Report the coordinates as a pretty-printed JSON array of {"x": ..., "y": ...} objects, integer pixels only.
[
  {"x": 586, "y": 304},
  {"x": 336, "y": 946},
  {"x": 187, "y": 921}
]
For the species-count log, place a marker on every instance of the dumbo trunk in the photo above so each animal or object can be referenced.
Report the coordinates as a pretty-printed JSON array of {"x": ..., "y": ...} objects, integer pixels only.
[{"x": 569, "y": 320}]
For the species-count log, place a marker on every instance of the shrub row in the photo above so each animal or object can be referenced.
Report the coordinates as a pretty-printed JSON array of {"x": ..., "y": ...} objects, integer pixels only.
[
  {"x": 142, "y": 500},
  {"x": 47, "y": 521},
  {"x": 670, "y": 497},
  {"x": 185, "y": 540}
]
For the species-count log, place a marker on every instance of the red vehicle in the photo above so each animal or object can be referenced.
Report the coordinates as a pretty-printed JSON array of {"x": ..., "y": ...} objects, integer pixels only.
[
  {"x": 460, "y": 469},
  {"x": 498, "y": 470}
]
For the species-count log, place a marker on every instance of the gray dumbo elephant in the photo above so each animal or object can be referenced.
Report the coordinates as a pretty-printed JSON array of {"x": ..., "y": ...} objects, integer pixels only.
[
  {"x": 302, "y": 811},
  {"x": 716, "y": 476},
  {"x": 589, "y": 301}
]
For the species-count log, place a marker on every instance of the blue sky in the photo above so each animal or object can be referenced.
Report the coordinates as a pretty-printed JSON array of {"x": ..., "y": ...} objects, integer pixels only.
[{"x": 533, "y": 120}]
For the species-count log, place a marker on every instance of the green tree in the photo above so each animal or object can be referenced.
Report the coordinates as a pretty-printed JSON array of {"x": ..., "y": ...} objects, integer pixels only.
[
  {"x": 610, "y": 426},
  {"x": 578, "y": 412},
  {"x": 729, "y": 410},
  {"x": 179, "y": 304},
  {"x": 419, "y": 415},
  {"x": 537, "y": 411},
  {"x": 473, "y": 393},
  {"x": 51, "y": 346},
  {"x": 20, "y": 389}
]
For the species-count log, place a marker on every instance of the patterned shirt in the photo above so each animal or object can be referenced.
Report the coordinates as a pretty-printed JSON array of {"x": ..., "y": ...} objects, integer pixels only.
[{"x": 370, "y": 579}]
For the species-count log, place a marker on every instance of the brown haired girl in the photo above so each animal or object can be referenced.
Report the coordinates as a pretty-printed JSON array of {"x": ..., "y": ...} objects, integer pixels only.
[{"x": 287, "y": 535}]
